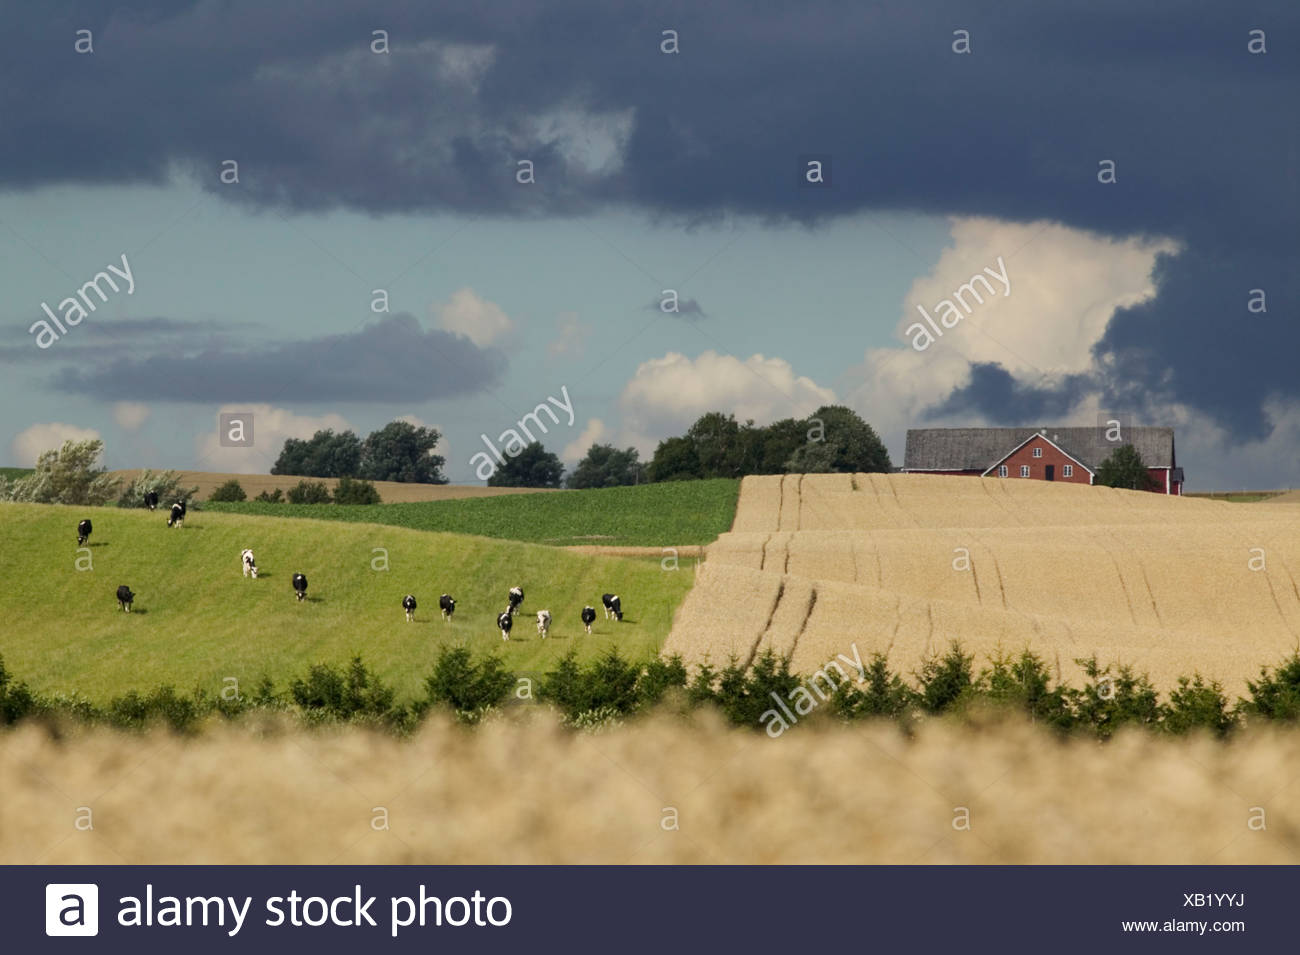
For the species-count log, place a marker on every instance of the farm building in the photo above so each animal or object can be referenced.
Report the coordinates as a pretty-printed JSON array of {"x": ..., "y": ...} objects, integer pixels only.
[{"x": 1044, "y": 454}]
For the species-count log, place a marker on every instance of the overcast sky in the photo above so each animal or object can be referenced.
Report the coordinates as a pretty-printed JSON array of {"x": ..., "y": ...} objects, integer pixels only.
[{"x": 1130, "y": 168}]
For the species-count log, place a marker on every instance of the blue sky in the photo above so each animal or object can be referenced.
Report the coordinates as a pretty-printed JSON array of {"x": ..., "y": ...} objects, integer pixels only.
[
  {"x": 958, "y": 139},
  {"x": 814, "y": 297}
]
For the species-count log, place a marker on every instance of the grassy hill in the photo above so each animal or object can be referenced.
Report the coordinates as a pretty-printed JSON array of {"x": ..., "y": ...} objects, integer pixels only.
[
  {"x": 197, "y": 620},
  {"x": 14, "y": 474},
  {"x": 654, "y": 515}
]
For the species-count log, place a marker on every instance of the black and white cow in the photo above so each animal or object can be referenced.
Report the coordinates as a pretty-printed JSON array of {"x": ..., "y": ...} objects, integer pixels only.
[
  {"x": 516, "y": 598},
  {"x": 408, "y": 604},
  {"x": 505, "y": 621},
  {"x": 178, "y": 515},
  {"x": 83, "y": 531},
  {"x": 124, "y": 597},
  {"x": 613, "y": 606},
  {"x": 151, "y": 500},
  {"x": 447, "y": 605},
  {"x": 543, "y": 622},
  {"x": 300, "y": 585},
  {"x": 249, "y": 564},
  {"x": 588, "y": 617}
]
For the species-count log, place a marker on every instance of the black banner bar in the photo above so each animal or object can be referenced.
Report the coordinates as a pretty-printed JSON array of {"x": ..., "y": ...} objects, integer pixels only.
[{"x": 642, "y": 909}]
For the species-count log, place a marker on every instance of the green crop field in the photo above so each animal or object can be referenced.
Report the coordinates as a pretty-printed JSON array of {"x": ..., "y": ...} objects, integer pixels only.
[
  {"x": 197, "y": 620},
  {"x": 652, "y": 515}
]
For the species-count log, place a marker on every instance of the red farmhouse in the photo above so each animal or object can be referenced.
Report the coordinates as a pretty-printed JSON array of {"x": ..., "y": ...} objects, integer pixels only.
[{"x": 1046, "y": 454}]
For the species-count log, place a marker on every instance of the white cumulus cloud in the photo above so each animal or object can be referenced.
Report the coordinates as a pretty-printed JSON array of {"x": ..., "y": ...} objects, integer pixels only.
[
  {"x": 30, "y": 443},
  {"x": 130, "y": 415},
  {"x": 571, "y": 336},
  {"x": 271, "y": 426},
  {"x": 468, "y": 314},
  {"x": 594, "y": 433},
  {"x": 1065, "y": 284},
  {"x": 667, "y": 394}
]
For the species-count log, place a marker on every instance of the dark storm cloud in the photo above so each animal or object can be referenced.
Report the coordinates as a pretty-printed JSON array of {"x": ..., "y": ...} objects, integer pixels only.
[
  {"x": 1203, "y": 133},
  {"x": 992, "y": 390},
  {"x": 688, "y": 309},
  {"x": 392, "y": 360},
  {"x": 115, "y": 337}
]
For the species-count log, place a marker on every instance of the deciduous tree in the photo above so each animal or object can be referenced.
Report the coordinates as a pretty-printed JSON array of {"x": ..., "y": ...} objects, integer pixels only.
[
  {"x": 533, "y": 466},
  {"x": 70, "y": 475},
  {"x": 400, "y": 451},
  {"x": 606, "y": 466},
  {"x": 325, "y": 454},
  {"x": 1125, "y": 468}
]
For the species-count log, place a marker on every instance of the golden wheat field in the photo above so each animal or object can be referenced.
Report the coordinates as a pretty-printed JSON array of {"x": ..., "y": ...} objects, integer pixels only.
[
  {"x": 904, "y": 564},
  {"x": 390, "y": 492},
  {"x": 663, "y": 791}
]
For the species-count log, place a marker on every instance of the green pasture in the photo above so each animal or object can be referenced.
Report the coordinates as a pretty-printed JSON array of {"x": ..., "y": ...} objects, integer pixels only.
[
  {"x": 197, "y": 620},
  {"x": 652, "y": 515}
]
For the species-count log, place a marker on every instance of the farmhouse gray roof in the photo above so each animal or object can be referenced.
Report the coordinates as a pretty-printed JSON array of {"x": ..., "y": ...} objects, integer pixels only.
[{"x": 970, "y": 449}]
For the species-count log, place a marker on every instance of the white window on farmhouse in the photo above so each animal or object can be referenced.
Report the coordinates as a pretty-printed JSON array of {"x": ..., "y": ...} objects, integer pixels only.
[
  {"x": 1024, "y": 470},
  {"x": 1002, "y": 470},
  {"x": 1038, "y": 452},
  {"x": 1067, "y": 470}
]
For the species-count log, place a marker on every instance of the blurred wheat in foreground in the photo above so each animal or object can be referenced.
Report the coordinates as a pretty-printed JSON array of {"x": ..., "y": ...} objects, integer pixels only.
[{"x": 663, "y": 791}]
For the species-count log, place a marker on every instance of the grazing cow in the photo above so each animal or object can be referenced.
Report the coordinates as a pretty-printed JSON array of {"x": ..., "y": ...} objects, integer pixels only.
[
  {"x": 448, "y": 606},
  {"x": 613, "y": 606},
  {"x": 250, "y": 565},
  {"x": 178, "y": 515},
  {"x": 124, "y": 597},
  {"x": 151, "y": 500},
  {"x": 505, "y": 621},
  {"x": 408, "y": 604},
  {"x": 300, "y": 585},
  {"x": 83, "y": 531},
  {"x": 543, "y": 622},
  {"x": 588, "y": 617},
  {"x": 516, "y": 598}
]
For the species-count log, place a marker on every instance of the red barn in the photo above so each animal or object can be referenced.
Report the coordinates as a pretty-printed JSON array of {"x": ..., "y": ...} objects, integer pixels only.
[{"x": 1044, "y": 454}]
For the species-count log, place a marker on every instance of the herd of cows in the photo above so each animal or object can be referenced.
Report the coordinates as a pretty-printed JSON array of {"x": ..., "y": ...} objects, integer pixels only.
[{"x": 505, "y": 620}]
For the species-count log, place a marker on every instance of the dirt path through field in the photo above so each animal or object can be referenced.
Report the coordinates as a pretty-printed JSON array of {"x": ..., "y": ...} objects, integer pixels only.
[{"x": 613, "y": 550}]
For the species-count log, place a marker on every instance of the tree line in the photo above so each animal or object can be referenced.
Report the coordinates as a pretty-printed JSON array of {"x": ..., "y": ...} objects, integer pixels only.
[
  {"x": 399, "y": 451},
  {"x": 832, "y": 439}
]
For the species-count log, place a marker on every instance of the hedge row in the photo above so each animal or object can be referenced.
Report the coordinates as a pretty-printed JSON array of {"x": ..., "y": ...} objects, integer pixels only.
[{"x": 766, "y": 696}]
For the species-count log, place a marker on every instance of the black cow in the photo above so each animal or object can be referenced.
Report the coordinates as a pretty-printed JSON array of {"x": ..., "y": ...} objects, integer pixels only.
[
  {"x": 448, "y": 606},
  {"x": 300, "y": 585},
  {"x": 505, "y": 621},
  {"x": 408, "y": 604},
  {"x": 516, "y": 598},
  {"x": 588, "y": 617},
  {"x": 151, "y": 500},
  {"x": 178, "y": 515},
  {"x": 124, "y": 597},
  {"x": 83, "y": 531},
  {"x": 613, "y": 606}
]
